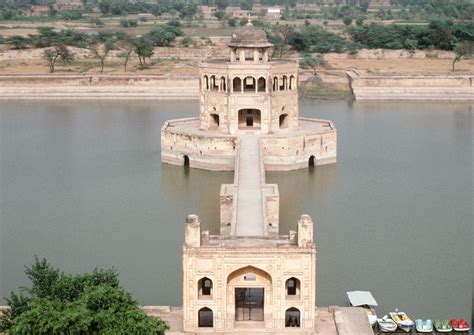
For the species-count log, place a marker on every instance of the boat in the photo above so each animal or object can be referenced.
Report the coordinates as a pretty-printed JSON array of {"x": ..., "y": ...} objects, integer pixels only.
[
  {"x": 442, "y": 326},
  {"x": 402, "y": 320},
  {"x": 424, "y": 326},
  {"x": 460, "y": 325},
  {"x": 365, "y": 300},
  {"x": 387, "y": 325}
]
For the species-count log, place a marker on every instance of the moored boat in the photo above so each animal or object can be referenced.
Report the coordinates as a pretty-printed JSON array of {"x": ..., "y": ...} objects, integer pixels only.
[
  {"x": 386, "y": 325},
  {"x": 460, "y": 325},
  {"x": 442, "y": 326},
  {"x": 402, "y": 320},
  {"x": 424, "y": 326}
]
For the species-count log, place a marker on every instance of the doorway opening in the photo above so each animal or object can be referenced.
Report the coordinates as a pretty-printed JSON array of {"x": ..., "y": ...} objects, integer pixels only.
[
  {"x": 249, "y": 303},
  {"x": 186, "y": 160},
  {"x": 292, "y": 317},
  {"x": 214, "y": 121},
  {"x": 205, "y": 317},
  {"x": 312, "y": 161},
  {"x": 283, "y": 121},
  {"x": 249, "y": 119}
]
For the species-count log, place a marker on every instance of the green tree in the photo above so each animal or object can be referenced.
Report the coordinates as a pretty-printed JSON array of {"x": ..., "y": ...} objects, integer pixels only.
[
  {"x": 232, "y": 22},
  {"x": 60, "y": 303},
  {"x": 309, "y": 61},
  {"x": 143, "y": 47},
  {"x": 243, "y": 21},
  {"x": 347, "y": 20},
  {"x": 101, "y": 51},
  {"x": 126, "y": 44},
  {"x": 364, "y": 5},
  {"x": 462, "y": 50}
]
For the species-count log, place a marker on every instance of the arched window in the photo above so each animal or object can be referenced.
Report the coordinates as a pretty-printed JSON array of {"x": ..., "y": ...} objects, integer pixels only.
[
  {"x": 249, "y": 84},
  {"x": 204, "y": 287},
  {"x": 261, "y": 84},
  {"x": 292, "y": 287},
  {"x": 237, "y": 84},
  {"x": 206, "y": 83},
  {"x": 283, "y": 83},
  {"x": 275, "y": 84},
  {"x": 205, "y": 317},
  {"x": 214, "y": 84},
  {"x": 213, "y": 121},
  {"x": 284, "y": 121},
  {"x": 311, "y": 161},
  {"x": 292, "y": 82},
  {"x": 223, "y": 87},
  {"x": 292, "y": 317}
]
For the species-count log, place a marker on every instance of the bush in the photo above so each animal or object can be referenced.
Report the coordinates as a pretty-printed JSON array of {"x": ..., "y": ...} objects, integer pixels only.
[
  {"x": 317, "y": 39},
  {"x": 61, "y": 303},
  {"x": 232, "y": 22},
  {"x": 126, "y": 23},
  {"x": 71, "y": 15},
  {"x": 18, "y": 42},
  {"x": 243, "y": 21}
]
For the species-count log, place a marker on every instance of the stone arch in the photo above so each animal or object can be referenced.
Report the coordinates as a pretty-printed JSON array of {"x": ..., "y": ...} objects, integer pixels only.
[
  {"x": 293, "y": 287},
  {"x": 261, "y": 84},
  {"x": 275, "y": 84},
  {"x": 223, "y": 84},
  {"x": 205, "y": 317},
  {"x": 236, "y": 84},
  {"x": 205, "y": 287},
  {"x": 250, "y": 84},
  {"x": 292, "y": 317},
  {"x": 292, "y": 82},
  {"x": 312, "y": 160},
  {"x": 186, "y": 161},
  {"x": 205, "y": 85},
  {"x": 238, "y": 276}
]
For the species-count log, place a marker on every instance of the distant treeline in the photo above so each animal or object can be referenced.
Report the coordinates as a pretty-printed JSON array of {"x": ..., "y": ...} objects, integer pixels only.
[
  {"x": 408, "y": 10},
  {"x": 438, "y": 34}
]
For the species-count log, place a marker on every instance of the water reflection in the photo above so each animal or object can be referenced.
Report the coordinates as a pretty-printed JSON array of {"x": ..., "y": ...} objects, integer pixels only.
[
  {"x": 198, "y": 189},
  {"x": 305, "y": 191}
]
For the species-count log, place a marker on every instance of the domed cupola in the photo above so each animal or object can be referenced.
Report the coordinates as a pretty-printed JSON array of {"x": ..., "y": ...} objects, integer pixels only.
[
  {"x": 249, "y": 43},
  {"x": 249, "y": 36}
]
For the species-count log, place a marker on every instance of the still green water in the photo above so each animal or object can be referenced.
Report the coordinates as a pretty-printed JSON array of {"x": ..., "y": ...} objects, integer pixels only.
[{"x": 81, "y": 183}]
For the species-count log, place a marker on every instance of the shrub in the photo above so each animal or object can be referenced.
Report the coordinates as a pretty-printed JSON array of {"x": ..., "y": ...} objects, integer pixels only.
[{"x": 61, "y": 303}]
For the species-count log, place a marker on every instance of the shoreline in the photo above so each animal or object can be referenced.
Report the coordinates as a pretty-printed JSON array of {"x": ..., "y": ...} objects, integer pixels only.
[{"x": 327, "y": 84}]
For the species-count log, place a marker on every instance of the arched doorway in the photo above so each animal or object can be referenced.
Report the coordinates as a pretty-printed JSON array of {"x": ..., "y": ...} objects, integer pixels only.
[
  {"x": 250, "y": 287},
  {"x": 205, "y": 317},
  {"x": 283, "y": 121},
  {"x": 186, "y": 160},
  {"x": 311, "y": 161},
  {"x": 249, "y": 119},
  {"x": 292, "y": 317}
]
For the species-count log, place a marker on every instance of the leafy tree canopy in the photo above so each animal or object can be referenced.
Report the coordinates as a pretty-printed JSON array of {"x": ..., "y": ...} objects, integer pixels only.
[{"x": 61, "y": 303}]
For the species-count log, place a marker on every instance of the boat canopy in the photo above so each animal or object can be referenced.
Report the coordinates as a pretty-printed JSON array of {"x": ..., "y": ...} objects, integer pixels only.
[{"x": 361, "y": 298}]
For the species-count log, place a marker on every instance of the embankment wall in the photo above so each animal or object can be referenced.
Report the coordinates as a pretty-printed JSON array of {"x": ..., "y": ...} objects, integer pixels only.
[
  {"x": 405, "y": 87},
  {"x": 33, "y": 87}
]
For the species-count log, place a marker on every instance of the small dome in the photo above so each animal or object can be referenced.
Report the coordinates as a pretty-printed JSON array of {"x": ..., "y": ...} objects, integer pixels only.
[{"x": 249, "y": 36}]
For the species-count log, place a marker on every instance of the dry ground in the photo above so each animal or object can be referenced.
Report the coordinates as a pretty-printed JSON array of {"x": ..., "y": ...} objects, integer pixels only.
[{"x": 402, "y": 66}]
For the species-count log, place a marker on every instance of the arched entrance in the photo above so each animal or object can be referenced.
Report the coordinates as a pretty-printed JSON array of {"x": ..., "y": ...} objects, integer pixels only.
[
  {"x": 249, "y": 119},
  {"x": 250, "y": 287}
]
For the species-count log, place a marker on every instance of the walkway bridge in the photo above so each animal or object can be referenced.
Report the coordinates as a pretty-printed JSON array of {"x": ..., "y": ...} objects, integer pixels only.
[{"x": 249, "y": 207}]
